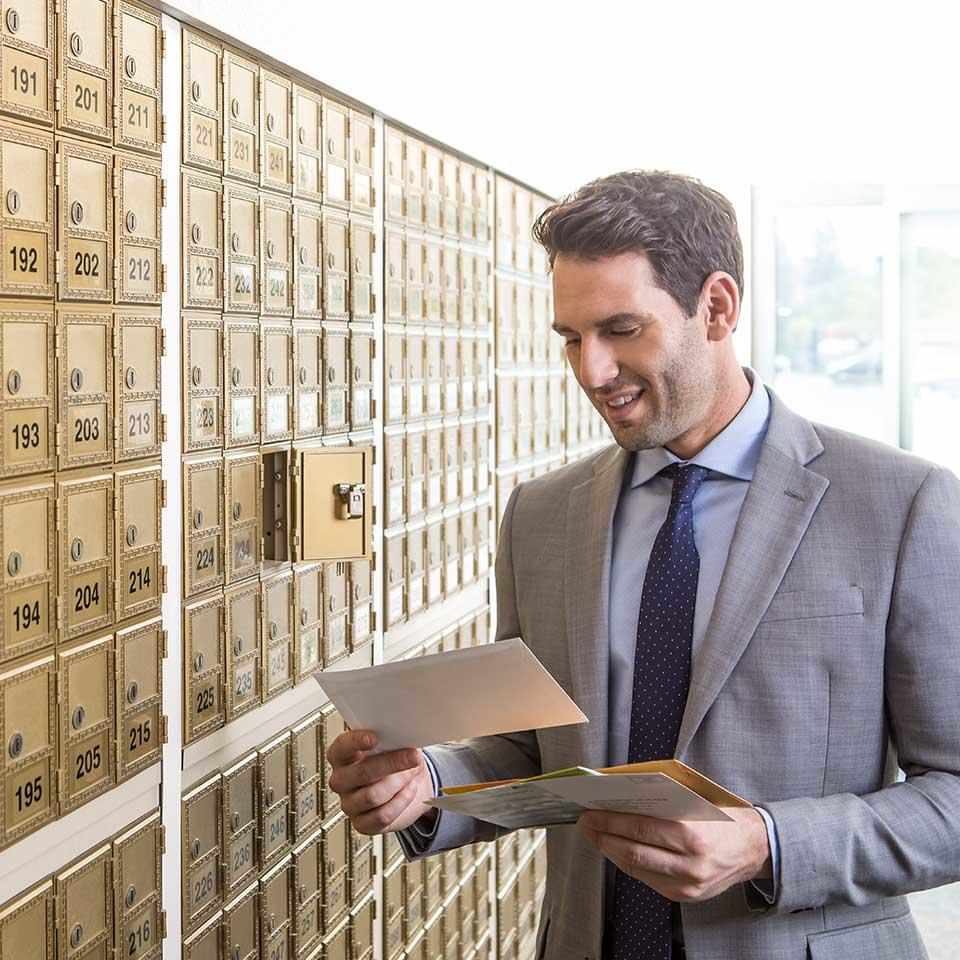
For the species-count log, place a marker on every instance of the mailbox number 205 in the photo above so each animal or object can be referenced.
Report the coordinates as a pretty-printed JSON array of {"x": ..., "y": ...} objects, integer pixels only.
[{"x": 88, "y": 761}]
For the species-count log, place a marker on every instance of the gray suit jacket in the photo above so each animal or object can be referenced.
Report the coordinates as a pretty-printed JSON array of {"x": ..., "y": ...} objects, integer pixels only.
[{"x": 832, "y": 655}]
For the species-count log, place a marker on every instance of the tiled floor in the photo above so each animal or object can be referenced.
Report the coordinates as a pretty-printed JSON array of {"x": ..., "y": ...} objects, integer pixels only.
[{"x": 938, "y": 915}]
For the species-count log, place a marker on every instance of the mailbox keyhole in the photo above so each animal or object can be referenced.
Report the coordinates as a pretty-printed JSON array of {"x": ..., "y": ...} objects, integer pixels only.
[
  {"x": 331, "y": 145},
  {"x": 235, "y": 242},
  {"x": 196, "y": 848},
  {"x": 13, "y": 201},
  {"x": 235, "y": 376},
  {"x": 271, "y": 248},
  {"x": 274, "y": 630},
  {"x": 238, "y": 646},
  {"x": 14, "y": 381},
  {"x": 198, "y": 663},
  {"x": 270, "y": 122},
  {"x": 131, "y": 895},
  {"x": 76, "y": 378},
  {"x": 16, "y": 745},
  {"x": 304, "y": 616},
  {"x": 197, "y": 376},
  {"x": 195, "y": 90},
  {"x": 131, "y": 222},
  {"x": 130, "y": 65},
  {"x": 270, "y": 796},
  {"x": 131, "y": 377},
  {"x": 235, "y": 107},
  {"x": 195, "y": 233},
  {"x": 14, "y": 563},
  {"x": 331, "y": 259},
  {"x": 13, "y": 20},
  {"x": 303, "y": 374},
  {"x": 76, "y": 549},
  {"x": 236, "y": 821},
  {"x": 302, "y": 135},
  {"x": 76, "y": 44},
  {"x": 133, "y": 691},
  {"x": 237, "y": 509},
  {"x": 131, "y": 534},
  {"x": 76, "y": 934},
  {"x": 271, "y": 376},
  {"x": 79, "y": 715},
  {"x": 76, "y": 211},
  {"x": 303, "y": 254}
]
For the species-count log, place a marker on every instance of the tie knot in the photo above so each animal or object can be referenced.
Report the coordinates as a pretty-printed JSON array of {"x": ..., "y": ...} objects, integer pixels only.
[{"x": 686, "y": 481}]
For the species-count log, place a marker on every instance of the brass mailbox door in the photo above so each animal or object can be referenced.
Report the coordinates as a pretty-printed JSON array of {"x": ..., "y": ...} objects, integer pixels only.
[
  {"x": 86, "y": 555},
  {"x": 467, "y": 547},
  {"x": 276, "y": 143},
  {"x": 276, "y": 354},
  {"x": 506, "y": 221},
  {"x": 27, "y": 389},
  {"x": 242, "y": 607},
  {"x": 481, "y": 205},
  {"x": 395, "y": 587},
  {"x": 506, "y": 328},
  {"x": 541, "y": 415},
  {"x": 434, "y": 562},
  {"x": 467, "y": 224},
  {"x": 362, "y": 866},
  {"x": 451, "y": 465},
  {"x": 202, "y": 379},
  {"x": 482, "y": 290},
  {"x": 242, "y": 509},
  {"x": 241, "y": 232},
  {"x": 307, "y": 860},
  {"x": 451, "y": 376},
  {"x": 393, "y": 174},
  {"x": 468, "y": 376},
  {"x": 451, "y": 555},
  {"x": 27, "y": 211},
  {"x": 274, "y": 763},
  {"x": 467, "y": 458},
  {"x": 203, "y": 524},
  {"x": 416, "y": 570},
  {"x": 432, "y": 174},
  {"x": 277, "y": 634},
  {"x": 85, "y": 68},
  {"x": 28, "y": 763},
  {"x": 205, "y": 944},
  {"x": 239, "y": 818},
  {"x": 136, "y": 859},
  {"x": 393, "y": 912},
  {"x": 139, "y": 197},
  {"x": 449, "y": 270},
  {"x": 482, "y": 440},
  {"x": 361, "y": 930},
  {"x": 333, "y": 506},
  {"x": 241, "y": 339},
  {"x": 86, "y": 387},
  {"x": 138, "y": 70},
  {"x": 434, "y": 350},
  {"x": 432, "y": 282},
  {"x": 27, "y": 926},
  {"x": 335, "y": 153},
  {"x": 203, "y": 668},
  {"x": 201, "y": 852},
  {"x": 241, "y": 925},
  {"x": 361, "y": 604},
  {"x": 336, "y": 866},
  {"x": 85, "y": 221},
  {"x": 394, "y": 274},
  {"x": 394, "y": 479},
  {"x": 27, "y": 39},
  {"x": 275, "y": 907},
  {"x": 84, "y": 898},
  {"x": 308, "y": 260},
  {"x": 307, "y": 383},
  {"x": 524, "y": 323},
  {"x": 27, "y": 565},
  {"x": 202, "y": 241},
  {"x": 305, "y": 768},
  {"x": 363, "y": 144},
  {"x": 414, "y": 265},
  {"x": 335, "y": 612},
  {"x": 483, "y": 539},
  {"x": 414, "y": 179},
  {"x": 276, "y": 220},
  {"x": 506, "y": 419},
  {"x": 202, "y": 104},
  {"x": 361, "y": 362},
  {"x": 241, "y": 115},
  {"x": 333, "y": 725},
  {"x": 415, "y": 473},
  {"x": 87, "y": 721},
  {"x": 450, "y": 180},
  {"x": 139, "y": 497},
  {"x": 308, "y": 592},
  {"x": 336, "y": 297},
  {"x": 467, "y": 269},
  {"x": 393, "y": 369},
  {"x": 363, "y": 248},
  {"x": 434, "y": 445},
  {"x": 482, "y": 353},
  {"x": 139, "y": 342},
  {"x": 335, "y": 380},
  {"x": 415, "y": 354},
  {"x": 541, "y": 325},
  {"x": 307, "y": 143},
  {"x": 140, "y": 723}
]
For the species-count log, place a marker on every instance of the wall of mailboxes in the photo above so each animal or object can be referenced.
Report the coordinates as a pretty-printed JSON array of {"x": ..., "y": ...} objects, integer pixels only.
[{"x": 283, "y": 229}]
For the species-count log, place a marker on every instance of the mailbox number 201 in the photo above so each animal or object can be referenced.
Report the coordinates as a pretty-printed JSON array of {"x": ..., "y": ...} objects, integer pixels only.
[{"x": 86, "y": 99}]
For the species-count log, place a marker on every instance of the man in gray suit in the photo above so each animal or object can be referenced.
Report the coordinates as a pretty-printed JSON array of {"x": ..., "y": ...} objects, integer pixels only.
[{"x": 774, "y": 602}]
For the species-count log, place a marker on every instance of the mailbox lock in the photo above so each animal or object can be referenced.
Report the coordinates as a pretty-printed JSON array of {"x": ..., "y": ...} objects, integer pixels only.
[
  {"x": 195, "y": 233},
  {"x": 238, "y": 646},
  {"x": 304, "y": 616},
  {"x": 198, "y": 663},
  {"x": 352, "y": 498},
  {"x": 131, "y": 221},
  {"x": 303, "y": 892},
  {"x": 197, "y": 376},
  {"x": 195, "y": 90},
  {"x": 237, "y": 510},
  {"x": 79, "y": 715},
  {"x": 301, "y": 135},
  {"x": 131, "y": 377},
  {"x": 14, "y": 563},
  {"x": 271, "y": 248},
  {"x": 392, "y": 270},
  {"x": 235, "y": 376},
  {"x": 303, "y": 374},
  {"x": 331, "y": 259},
  {"x": 270, "y": 796},
  {"x": 197, "y": 519},
  {"x": 196, "y": 848},
  {"x": 13, "y": 20},
  {"x": 16, "y": 745},
  {"x": 331, "y": 145},
  {"x": 413, "y": 274},
  {"x": 132, "y": 691},
  {"x": 274, "y": 629},
  {"x": 270, "y": 122},
  {"x": 273, "y": 922},
  {"x": 13, "y": 201},
  {"x": 356, "y": 591},
  {"x": 271, "y": 376},
  {"x": 356, "y": 374},
  {"x": 76, "y": 44},
  {"x": 235, "y": 107},
  {"x": 13, "y": 381},
  {"x": 76, "y": 934},
  {"x": 130, "y": 65},
  {"x": 332, "y": 374},
  {"x": 303, "y": 772},
  {"x": 131, "y": 895},
  {"x": 235, "y": 242},
  {"x": 76, "y": 549},
  {"x": 131, "y": 534},
  {"x": 358, "y": 264},
  {"x": 76, "y": 211},
  {"x": 76, "y": 378},
  {"x": 303, "y": 254},
  {"x": 236, "y": 952},
  {"x": 235, "y": 821}
]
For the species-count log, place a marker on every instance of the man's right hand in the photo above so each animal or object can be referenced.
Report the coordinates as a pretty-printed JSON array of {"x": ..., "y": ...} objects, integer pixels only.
[{"x": 380, "y": 793}]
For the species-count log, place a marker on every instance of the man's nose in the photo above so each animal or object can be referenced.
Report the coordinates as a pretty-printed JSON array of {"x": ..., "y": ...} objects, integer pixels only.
[{"x": 598, "y": 365}]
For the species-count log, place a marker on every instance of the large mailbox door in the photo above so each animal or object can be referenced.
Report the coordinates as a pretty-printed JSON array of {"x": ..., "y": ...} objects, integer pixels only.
[
  {"x": 276, "y": 380},
  {"x": 203, "y": 524},
  {"x": 140, "y": 496},
  {"x": 86, "y": 387},
  {"x": 277, "y": 634},
  {"x": 201, "y": 832},
  {"x": 87, "y": 721},
  {"x": 241, "y": 231},
  {"x": 85, "y": 222},
  {"x": 28, "y": 546},
  {"x": 202, "y": 371},
  {"x": 241, "y": 115},
  {"x": 336, "y": 159},
  {"x": 242, "y": 512},
  {"x": 84, "y": 898},
  {"x": 241, "y": 857},
  {"x": 202, "y": 242},
  {"x": 305, "y": 764},
  {"x": 243, "y": 683},
  {"x": 27, "y": 39},
  {"x": 276, "y": 220},
  {"x": 136, "y": 858},
  {"x": 241, "y": 925},
  {"x": 139, "y": 198},
  {"x": 28, "y": 762},
  {"x": 274, "y": 762},
  {"x": 307, "y": 382},
  {"x": 140, "y": 723},
  {"x": 202, "y": 102},
  {"x": 334, "y": 503},
  {"x": 27, "y": 390},
  {"x": 85, "y": 68},
  {"x": 26, "y": 209},
  {"x": 242, "y": 378},
  {"x": 140, "y": 345},
  {"x": 336, "y": 278},
  {"x": 363, "y": 194},
  {"x": 27, "y": 926},
  {"x": 86, "y": 525},
  {"x": 307, "y": 144},
  {"x": 138, "y": 72},
  {"x": 307, "y": 261},
  {"x": 276, "y": 109}
]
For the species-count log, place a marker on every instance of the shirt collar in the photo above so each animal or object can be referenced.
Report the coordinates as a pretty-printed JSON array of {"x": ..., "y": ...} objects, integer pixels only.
[{"x": 733, "y": 452}]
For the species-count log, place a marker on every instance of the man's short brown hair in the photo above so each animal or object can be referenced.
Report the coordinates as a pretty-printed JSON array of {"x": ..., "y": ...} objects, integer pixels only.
[{"x": 687, "y": 230}]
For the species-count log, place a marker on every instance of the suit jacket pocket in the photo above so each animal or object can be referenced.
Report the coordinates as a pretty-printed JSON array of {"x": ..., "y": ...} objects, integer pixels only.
[
  {"x": 895, "y": 938},
  {"x": 809, "y": 604}
]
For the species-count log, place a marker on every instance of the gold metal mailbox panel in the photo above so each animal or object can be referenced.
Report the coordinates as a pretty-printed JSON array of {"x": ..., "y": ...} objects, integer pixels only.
[
  {"x": 394, "y": 378},
  {"x": 241, "y": 232},
  {"x": 393, "y": 174},
  {"x": 307, "y": 382},
  {"x": 308, "y": 260},
  {"x": 450, "y": 274},
  {"x": 276, "y": 378},
  {"x": 305, "y": 772},
  {"x": 240, "y": 795},
  {"x": 27, "y": 924},
  {"x": 140, "y": 345},
  {"x": 202, "y": 373},
  {"x": 433, "y": 282},
  {"x": 85, "y": 220},
  {"x": 307, "y": 143},
  {"x": 451, "y": 465},
  {"x": 336, "y": 158},
  {"x": 434, "y": 445},
  {"x": 395, "y": 507},
  {"x": 434, "y": 350},
  {"x": 361, "y": 362},
  {"x": 202, "y": 524},
  {"x": 276, "y": 118},
  {"x": 27, "y": 39},
  {"x": 139, "y": 199},
  {"x": 336, "y": 277},
  {"x": 336, "y": 857},
  {"x": 136, "y": 859},
  {"x": 416, "y": 473},
  {"x": 416, "y": 569},
  {"x": 202, "y": 241},
  {"x": 308, "y": 593},
  {"x": 241, "y": 339},
  {"x": 275, "y": 911},
  {"x": 277, "y": 634},
  {"x": 361, "y": 604},
  {"x": 85, "y": 68},
  {"x": 241, "y": 115},
  {"x": 362, "y": 866},
  {"x": 28, "y": 763},
  {"x": 243, "y": 678},
  {"x": 467, "y": 270},
  {"x": 415, "y": 383},
  {"x": 333, "y": 726},
  {"x": 363, "y": 248},
  {"x": 201, "y": 852},
  {"x": 433, "y": 173},
  {"x": 415, "y": 270},
  {"x": 141, "y": 725},
  {"x": 138, "y": 71},
  {"x": 468, "y": 375},
  {"x": 363, "y": 194},
  {"x": 336, "y": 376},
  {"x": 414, "y": 178},
  {"x": 202, "y": 102},
  {"x": 335, "y": 612},
  {"x": 274, "y": 763},
  {"x": 84, "y": 899},
  {"x": 203, "y": 667},
  {"x": 451, "y": 375},
  {"x": 242, "y": 509},
  {"x": 361, "y": 930},
  {"x": 241, "y": 925},
  {"x": 276, "y": 248},
  {"x": 140, "y": 496},
  {"x": 395, "y": 586},
  {"x": 394, "y": 274}
]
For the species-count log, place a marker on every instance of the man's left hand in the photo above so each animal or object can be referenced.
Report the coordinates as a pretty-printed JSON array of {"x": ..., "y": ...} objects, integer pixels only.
[{"x": 683, "y": 861}]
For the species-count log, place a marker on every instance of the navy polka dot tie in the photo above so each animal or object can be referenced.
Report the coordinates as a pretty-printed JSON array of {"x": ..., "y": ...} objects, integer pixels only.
[{"x": 641, "y": 917}]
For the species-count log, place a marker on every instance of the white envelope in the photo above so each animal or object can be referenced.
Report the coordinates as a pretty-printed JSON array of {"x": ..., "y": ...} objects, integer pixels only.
[{"x": 495, "y": 688}]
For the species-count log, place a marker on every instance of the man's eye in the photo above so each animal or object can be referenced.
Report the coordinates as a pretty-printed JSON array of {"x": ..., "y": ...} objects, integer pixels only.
[
  {"x": 572, "y": 342},
  {"x": 624, "y": 333}
]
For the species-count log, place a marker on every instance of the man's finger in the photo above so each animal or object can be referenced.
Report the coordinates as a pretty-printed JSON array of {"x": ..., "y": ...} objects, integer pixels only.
[
  {"x": 368, "y": 798},
  {"x": 379, "y": 820},
  {"x": 652, "y": 831},
  {"x": 651, "y": 864},
  {"x": 370, "y": 769},
  {"x": 345, "y": 748}
]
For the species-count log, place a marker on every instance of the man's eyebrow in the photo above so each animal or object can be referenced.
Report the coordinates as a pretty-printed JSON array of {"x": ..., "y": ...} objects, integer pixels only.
[{"x": 625, "y": 317}]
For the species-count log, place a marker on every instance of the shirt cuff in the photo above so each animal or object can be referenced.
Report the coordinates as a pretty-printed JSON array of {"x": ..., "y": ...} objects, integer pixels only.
[
  {"x": 417, "y": 839},
  {"x": 768, "y": 888}
]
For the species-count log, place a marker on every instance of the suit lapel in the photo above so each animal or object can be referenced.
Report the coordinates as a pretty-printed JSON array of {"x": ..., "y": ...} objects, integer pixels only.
[
  {"x": 777, "y": 509},
  {"x": 590, "y": 509}
]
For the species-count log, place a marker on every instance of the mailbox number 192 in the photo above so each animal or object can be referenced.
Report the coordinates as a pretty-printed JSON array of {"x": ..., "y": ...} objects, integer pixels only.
[{"x": 23, "y": 259}]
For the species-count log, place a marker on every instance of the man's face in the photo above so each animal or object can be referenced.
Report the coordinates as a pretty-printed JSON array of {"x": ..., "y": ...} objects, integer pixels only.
[{"x": 644, "y": 364}]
